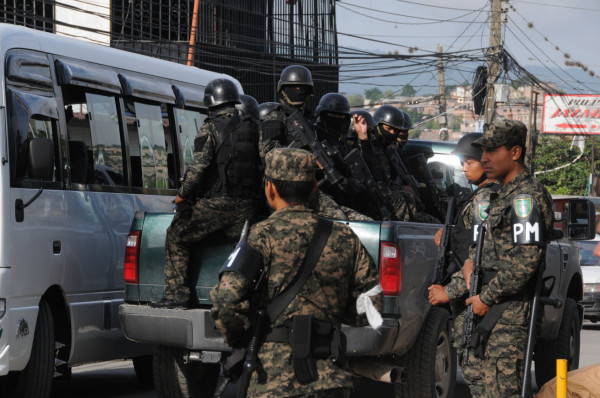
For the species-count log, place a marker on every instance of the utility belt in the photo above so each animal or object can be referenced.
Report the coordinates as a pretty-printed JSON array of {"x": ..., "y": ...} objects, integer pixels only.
[{"x": 310, "y": 339}]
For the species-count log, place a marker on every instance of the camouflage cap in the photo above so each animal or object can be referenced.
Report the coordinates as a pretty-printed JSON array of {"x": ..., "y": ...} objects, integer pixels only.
[
  {"x": 288, "y": 164},
  {"x": 502, "y": 132}
]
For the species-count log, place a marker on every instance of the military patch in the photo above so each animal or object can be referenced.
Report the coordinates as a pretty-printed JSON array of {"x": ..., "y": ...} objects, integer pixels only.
[
  {"x": 527, "y": 223},
  {"x": 523, "y": 206},
  {"x": 482, "y": 210},
  {"x": 479, "y": 215}
]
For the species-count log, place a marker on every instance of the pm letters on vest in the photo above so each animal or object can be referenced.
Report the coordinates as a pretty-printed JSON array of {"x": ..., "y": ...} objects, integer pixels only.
[{"x": 526, "y": 221}]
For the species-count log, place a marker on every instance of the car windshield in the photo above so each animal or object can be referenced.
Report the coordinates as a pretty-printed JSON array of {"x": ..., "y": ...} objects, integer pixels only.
[{"x": 586, "y": 253}]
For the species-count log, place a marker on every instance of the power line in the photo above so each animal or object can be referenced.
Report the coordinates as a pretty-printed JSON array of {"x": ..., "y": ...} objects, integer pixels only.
[{"x": 557, "y": 6}]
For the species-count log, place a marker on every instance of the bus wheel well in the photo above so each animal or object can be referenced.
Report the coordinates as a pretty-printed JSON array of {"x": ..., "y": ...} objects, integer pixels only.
[{"x": 62, "y": 326}]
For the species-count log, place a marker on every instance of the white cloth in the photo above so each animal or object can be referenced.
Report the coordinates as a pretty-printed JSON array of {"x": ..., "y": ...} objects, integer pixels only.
[{"x": 365, "y": 305}]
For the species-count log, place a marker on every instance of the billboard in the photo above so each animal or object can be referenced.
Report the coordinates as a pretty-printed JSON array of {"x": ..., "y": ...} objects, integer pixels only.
[{"x": 571, "y": 114}]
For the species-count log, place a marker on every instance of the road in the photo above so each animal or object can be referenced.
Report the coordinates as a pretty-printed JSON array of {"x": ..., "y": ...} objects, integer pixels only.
[{"x": 117, "y": 379}]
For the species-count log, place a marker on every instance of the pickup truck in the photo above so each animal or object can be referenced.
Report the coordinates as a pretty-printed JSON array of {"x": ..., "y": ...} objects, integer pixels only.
[{"x": 413, "y": 350}]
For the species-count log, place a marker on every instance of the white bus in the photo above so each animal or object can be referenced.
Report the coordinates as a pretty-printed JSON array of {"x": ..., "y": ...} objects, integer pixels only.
[{"x": 114, "y": 131}]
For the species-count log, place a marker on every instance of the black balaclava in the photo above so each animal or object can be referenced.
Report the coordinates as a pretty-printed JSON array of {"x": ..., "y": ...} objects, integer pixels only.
[
  {"x": 334, "y": 127},
  {"x": 295, "y": 96}
]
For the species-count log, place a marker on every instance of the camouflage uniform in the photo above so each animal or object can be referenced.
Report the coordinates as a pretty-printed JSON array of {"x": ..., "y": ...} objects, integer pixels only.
[
  {"x": 343, "y": 271},
  {"x": 320, "y": 202},
  {"x": 456, "y": 289},
  {"x": 195, "y": 220},
  {"x": 500, "y": 374}
]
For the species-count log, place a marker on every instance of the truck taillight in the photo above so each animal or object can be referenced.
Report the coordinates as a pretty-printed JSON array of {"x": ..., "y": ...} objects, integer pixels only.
[
  {"x": 132, "y": 250},
  {"x": 390, "y": 269}
]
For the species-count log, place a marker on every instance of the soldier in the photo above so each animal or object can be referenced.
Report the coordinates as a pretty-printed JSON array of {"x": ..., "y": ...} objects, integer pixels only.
[
  {"x": 343, "y": 272},
  {"x": 519, "y": 225},
  {"x": 471, "y": 213},
  {"x": 218, "y": 189}
]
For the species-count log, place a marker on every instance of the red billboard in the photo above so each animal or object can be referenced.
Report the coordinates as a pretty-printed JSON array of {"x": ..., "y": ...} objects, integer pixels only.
[{"x": 571, "y": 114}]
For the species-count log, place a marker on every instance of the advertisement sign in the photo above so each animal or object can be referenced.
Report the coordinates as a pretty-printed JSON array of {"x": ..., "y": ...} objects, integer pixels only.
[{"x": 571, "y": 114}]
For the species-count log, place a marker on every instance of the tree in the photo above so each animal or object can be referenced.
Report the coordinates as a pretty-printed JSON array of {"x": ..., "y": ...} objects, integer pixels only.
[
  {"x": 389, "y": 94},
  {"x": 373, "y": 94},
  {"x": 408, "y": 91},
  {"x": 356, "y": 100},
  {"x": 456, "y": 122}
]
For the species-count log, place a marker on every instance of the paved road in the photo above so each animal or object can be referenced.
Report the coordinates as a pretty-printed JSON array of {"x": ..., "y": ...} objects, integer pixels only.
[{"x": 117, "y": 379}]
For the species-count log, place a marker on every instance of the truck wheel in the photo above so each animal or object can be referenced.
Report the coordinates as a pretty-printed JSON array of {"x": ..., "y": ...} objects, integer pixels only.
[
  {"x": 175, "y": 379},
  {"x": 35, "y": 381},
  {"x": 431, "y": 363},
  {"x": 143, "y": 370},
  {"x": 566, "y": 346}
]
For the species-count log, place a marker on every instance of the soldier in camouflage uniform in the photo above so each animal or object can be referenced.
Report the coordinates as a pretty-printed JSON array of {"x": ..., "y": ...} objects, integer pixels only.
[
  {"x": 510, "y": 259},
  {"x": 343, "y": 272},
  {"x": 218, "y": 190},
  {"x": 472, "y": 212},
  {"x": 294, "y": 87}
]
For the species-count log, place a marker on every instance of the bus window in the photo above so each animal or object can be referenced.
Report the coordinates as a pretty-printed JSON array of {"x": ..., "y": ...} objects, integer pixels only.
[
  {"x": 150, "y": 144},
  {"x": 188, "y": 126},
  {"x": 31, "y": 116},
  {"x": 95, "y": 150}
]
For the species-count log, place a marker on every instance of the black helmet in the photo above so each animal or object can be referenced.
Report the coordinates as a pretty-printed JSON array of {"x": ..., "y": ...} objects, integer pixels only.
[
  {"x": 464, "y": 147},
  {"x": 248, "y": 106},
  {"x": 392, "y": 116},
  {"x": 333, "y": 102},
  {"x": 266, "y": 108},
  {"x": 368, "y": 118},
  {"x": 295, "y": 75},
  {"x": 219, "y": 92}
]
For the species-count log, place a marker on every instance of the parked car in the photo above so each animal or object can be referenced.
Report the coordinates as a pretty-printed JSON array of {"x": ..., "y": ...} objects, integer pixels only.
[{"x": 590, "y": 268}]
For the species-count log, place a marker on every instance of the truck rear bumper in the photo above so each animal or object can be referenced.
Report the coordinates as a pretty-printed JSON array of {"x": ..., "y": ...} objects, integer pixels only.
[{"x": 195, "y": 330}]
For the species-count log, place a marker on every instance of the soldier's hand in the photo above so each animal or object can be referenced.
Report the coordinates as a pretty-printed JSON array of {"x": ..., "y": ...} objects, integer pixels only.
[
  {"x": 437, "y": 238},
  {"x": 178, "y": 200},
  {"x": 478, "y": 307},
  {"x": 467, "y": 270},
  {"x": 360, "y": 126},
  {"x": 437, "y": 295}
]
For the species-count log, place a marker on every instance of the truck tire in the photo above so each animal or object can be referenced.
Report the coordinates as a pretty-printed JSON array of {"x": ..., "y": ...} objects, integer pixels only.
[
  {"x": 35, "y": 381},
  {"x": 175, "y": 379},
  {"x": 143, "y": 370},
  {"x": 566, "y": 346},
  {"x": 431, "y": 363}
]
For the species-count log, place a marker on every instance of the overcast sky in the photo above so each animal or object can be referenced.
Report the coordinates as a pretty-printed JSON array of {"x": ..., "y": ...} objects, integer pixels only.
[{"x": 573, "y": 26}]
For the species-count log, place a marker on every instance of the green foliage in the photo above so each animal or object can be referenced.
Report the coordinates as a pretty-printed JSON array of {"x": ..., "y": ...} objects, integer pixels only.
[
  {"x": 373, "y": 94},
  {"x": 432, "y": 124},
  {"x": 389, "y": 94},
  {"x": 408, "y": 91},
  {"x": 356, "y": 100},
  {"x": 449, "y": 88},
  {"x": 553, "y": 151}
]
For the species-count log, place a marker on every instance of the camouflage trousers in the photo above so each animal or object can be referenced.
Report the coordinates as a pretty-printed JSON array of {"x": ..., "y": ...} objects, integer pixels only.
[
  {"x": 500, "y": 373},
  {"x": 402, "y": 204},
  {"x": 189, "y": 226},
  {"x": 325, "y": 206}
]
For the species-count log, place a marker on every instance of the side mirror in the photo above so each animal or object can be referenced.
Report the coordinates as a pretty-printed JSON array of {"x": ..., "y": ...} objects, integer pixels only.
[
  {"x": 41, "y": 158},
  {"x": 581, "y": 219}
]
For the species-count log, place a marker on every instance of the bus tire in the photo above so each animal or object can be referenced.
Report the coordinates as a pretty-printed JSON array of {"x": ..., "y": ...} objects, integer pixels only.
[
  {"x": 566, "y": 345},
  {"x": 175, "y": 379},
  {"x": 431, "y": 363},
  {"x": 35, "y": 381},
  {"x": 143, "y": 370}
]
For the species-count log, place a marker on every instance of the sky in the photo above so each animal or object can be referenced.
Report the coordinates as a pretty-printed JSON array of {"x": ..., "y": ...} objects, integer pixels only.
[{"x": 533, "y": 31}]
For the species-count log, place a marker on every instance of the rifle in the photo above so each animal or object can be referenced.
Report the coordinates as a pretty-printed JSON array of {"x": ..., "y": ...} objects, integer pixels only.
[
  {"x": 251, "y": 362},
  {"x": 440, "y": 269},
  {"x": 471, "y": 319},
  {"x": 405, "y": 178},
  {"x": 304, "y": 136},
  {"x": 360, "y": 171},
  {"x": 538, "y": 301}
]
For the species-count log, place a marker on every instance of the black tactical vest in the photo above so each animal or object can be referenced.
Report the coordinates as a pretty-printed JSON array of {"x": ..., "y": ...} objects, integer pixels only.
[{"x": 234, "y": 171}]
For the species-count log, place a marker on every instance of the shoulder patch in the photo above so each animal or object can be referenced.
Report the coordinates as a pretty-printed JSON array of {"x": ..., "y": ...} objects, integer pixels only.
[
  {"x": 480, "y": 213},
  {"x": 527, "y": 223}
]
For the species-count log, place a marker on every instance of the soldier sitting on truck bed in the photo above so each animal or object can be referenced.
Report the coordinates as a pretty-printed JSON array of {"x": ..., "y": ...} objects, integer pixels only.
[{"x": 218, "y": 190}]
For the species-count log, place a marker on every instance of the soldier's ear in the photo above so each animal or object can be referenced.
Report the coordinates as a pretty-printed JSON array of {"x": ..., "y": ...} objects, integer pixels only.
[{"x": 516, "y": 152}]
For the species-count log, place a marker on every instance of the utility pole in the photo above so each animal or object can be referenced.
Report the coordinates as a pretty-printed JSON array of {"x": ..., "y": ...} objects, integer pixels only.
[
  {"x": 442, "y": 89},
  {"x": 493, "y": 59},
  {"x": 532, "y": 132}
]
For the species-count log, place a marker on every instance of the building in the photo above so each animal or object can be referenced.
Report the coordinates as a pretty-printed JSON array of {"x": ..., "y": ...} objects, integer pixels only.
[{"x": 249, "y": 40}]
